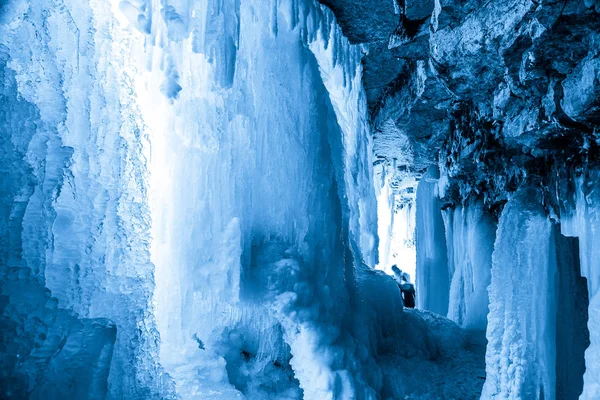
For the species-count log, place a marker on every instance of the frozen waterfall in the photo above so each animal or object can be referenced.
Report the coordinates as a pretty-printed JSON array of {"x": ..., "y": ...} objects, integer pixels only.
[
  {"x": 199, "y": 176},
  {"x": 204, "y": 199}
]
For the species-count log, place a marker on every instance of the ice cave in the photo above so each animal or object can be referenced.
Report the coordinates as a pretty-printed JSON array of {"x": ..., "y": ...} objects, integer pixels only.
[{"x": 300, "y": 199}]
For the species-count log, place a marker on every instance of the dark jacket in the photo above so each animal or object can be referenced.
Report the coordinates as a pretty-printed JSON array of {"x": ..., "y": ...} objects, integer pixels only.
[{"x": 408, "y": 294}]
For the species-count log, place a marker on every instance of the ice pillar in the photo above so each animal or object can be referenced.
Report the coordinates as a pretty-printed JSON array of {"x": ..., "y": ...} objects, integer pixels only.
[
  {"x": 470, "y": 235},
  {"x": 520, "y": 358},
  {"x": 262, "y": 201},
  {"x": 433, "y": 281}
]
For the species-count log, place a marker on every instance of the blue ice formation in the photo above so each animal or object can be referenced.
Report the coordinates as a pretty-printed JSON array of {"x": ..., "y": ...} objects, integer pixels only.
[
  {"x": 187, "y": 202},
  {"x": 199, "y": 199}
]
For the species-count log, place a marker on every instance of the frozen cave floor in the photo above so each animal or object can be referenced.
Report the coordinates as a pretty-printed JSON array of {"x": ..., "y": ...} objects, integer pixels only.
[{"x": 454, "y": 369}]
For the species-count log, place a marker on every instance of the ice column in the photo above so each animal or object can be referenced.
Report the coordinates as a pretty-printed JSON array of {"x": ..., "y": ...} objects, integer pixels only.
[
  {"x": 470, "y": 235},
  {"x": 433, "y": 280},
  {"x": 521, "y": 331}
]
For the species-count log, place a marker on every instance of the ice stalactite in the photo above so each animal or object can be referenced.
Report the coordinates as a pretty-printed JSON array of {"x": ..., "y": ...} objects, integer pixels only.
[
  {"x": 454, "y": 255},
  {"x": 46, "y": 351},
  {"x": 521, "y": 331},
  {"x": 253, "y": 119},
  {"x": 433, "y": 276},
  {"x": 470, "y": 235}
]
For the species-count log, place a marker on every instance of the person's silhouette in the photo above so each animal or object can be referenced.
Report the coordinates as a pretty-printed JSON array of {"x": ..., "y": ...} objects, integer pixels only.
[{"x": 407, "y": 289}]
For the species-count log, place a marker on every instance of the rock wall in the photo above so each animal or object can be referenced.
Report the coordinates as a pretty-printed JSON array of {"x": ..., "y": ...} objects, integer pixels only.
[{"x": 493, "y": 91}]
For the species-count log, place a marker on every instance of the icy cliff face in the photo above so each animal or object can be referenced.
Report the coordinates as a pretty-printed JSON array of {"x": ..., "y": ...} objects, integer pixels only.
[
  {"x": 190, "y": 193},
  {"x": 580, "y": 219},
  {"x": 470, "y": 233}
]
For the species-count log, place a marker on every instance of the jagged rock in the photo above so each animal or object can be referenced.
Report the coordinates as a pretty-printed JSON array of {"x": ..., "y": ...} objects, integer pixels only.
[
  {"x": 581, "y": 92},
  {"x": 524, "y": 75},
  {"x": 410, "y": 45},
  {"x": 418, "y": 9}
]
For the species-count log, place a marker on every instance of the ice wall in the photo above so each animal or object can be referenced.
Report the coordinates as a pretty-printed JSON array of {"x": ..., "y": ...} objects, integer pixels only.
[
  {"x": 454, "y": 256},
  {"x": 262, "y": 200},
  {"x": 198, "y": 174},
  {"x": 46, "y": 351},
  {"x": 521, "y": 331},
  {"x": 433, "y": 275},
  {"x": 470, "y": 235},
  {"x": 76, "y": 220}
]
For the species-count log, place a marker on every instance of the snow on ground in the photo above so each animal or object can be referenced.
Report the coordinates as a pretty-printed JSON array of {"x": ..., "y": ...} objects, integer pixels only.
[{"x": 452, "y": 367}]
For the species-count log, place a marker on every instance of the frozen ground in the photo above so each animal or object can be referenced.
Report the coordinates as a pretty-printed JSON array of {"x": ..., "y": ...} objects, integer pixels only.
[{"x": 453, "y": 368}]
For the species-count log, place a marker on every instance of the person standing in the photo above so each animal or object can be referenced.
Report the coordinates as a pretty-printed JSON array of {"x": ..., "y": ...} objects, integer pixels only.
[{"x": 407, "y": 289}]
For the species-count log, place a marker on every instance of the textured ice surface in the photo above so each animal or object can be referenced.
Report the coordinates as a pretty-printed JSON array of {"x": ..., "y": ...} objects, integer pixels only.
[
  {"x": 581, "y": 219},
  {"x": 259, "y": 202},
  {"x": 262, "y": 201},
  {"x": 521, "y": 351},
  {"x": 454, "y": 256},
  {"x": 76, "y": 213},
  {"x": 188, "y": 207},
  {"x": 470, "y": 235}
]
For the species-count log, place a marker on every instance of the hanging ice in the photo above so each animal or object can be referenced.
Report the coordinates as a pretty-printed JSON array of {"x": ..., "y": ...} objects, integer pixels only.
[
  {"x": 581, "y": 219},
  {"x": 77, "y": 214},
  {"x": 265, "y": 240}
]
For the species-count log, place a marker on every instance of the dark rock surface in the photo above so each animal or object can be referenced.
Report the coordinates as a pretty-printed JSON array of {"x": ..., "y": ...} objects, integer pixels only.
[{"x": 495, "y": 92}]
